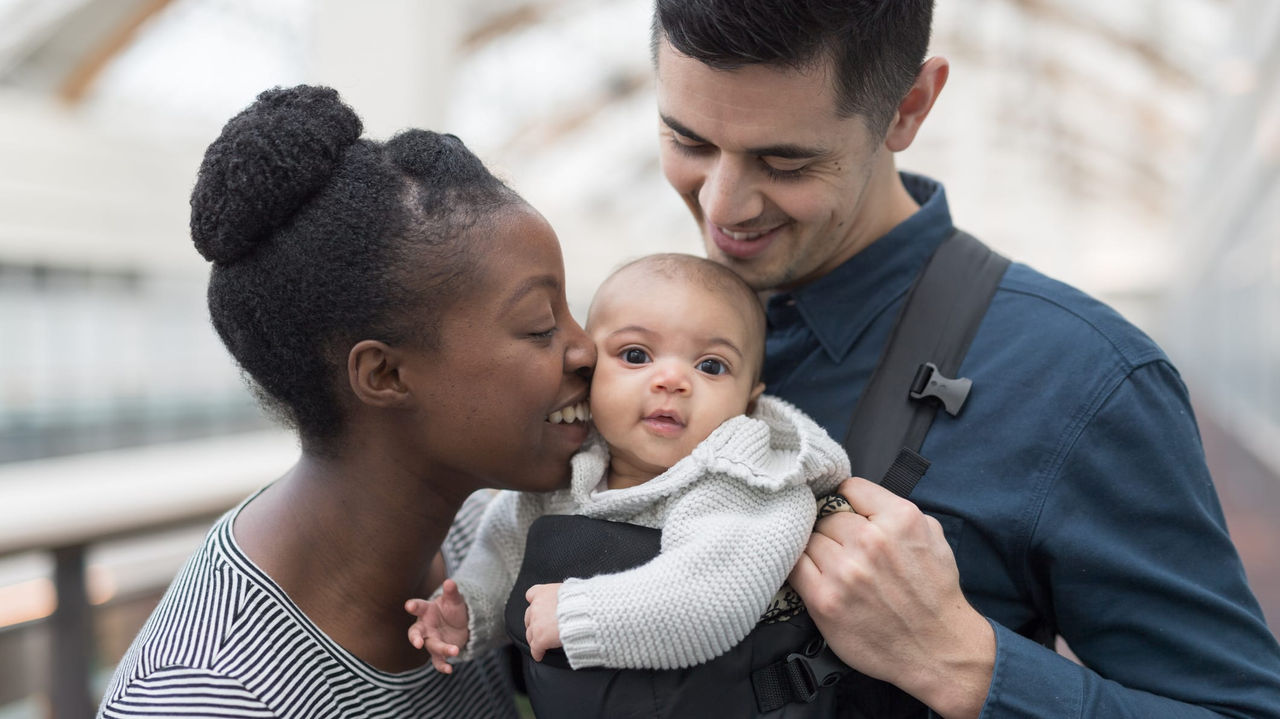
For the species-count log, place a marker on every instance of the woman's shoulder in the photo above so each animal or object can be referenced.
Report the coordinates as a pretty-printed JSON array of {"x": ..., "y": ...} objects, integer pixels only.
[
  {"x": 226, "y": 635},
  {"x": 183, "y": 642}
]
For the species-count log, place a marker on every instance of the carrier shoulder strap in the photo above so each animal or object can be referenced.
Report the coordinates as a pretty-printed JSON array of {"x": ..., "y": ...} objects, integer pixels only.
[
  {"x": 914, "y": 375},
  {"x": 912, "y": 378}
]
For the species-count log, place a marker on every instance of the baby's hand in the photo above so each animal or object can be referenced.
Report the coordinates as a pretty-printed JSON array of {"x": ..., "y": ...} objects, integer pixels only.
[
  {"x": 540, "y": 625},
  {"x": 441, "y": 625}
]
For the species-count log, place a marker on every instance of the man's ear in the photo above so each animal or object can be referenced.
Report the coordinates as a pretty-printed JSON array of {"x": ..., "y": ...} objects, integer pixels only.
[
  {"x": 755, "y": 395},
  {"x": 915, "y": 107},
  {"x": 373, "y": 371}
]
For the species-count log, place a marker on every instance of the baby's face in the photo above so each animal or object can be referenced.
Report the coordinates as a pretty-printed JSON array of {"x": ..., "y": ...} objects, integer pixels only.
[{"x": 676, "y": 359}]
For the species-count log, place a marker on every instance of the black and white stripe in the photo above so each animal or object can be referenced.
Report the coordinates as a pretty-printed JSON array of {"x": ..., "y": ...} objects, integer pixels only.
[{"x": 225, "y": 641}]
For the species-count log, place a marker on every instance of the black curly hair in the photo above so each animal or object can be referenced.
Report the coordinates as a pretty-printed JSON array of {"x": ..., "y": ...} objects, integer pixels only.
[
  {"x": 877, "y": 46},
  {"x": 320, "y": 239}
]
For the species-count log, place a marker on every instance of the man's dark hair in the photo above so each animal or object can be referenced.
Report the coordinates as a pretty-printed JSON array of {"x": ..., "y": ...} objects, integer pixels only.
[
  {"x": 876, "y": 46},
  {"x": 320, "y": 239}
]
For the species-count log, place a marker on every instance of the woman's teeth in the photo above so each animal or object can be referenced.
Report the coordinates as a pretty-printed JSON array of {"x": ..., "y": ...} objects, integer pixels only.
[{"x": 580, "y": 412}]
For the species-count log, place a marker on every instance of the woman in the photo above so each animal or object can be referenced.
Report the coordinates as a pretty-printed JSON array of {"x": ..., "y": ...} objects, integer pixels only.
[{"x": 404, "y": 311}]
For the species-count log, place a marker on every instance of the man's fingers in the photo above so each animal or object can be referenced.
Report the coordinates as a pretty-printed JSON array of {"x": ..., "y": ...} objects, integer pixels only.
[
  {"x": 866, "y": 497},
  {"x": 804, "y": 574}
]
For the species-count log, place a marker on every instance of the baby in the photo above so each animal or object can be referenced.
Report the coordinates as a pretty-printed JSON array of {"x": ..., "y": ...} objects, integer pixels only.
[{"x": 686, "y": 443}]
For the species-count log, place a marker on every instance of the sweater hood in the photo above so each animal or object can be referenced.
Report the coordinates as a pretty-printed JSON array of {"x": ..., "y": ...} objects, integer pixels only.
[{"x": 774, "y": 447}]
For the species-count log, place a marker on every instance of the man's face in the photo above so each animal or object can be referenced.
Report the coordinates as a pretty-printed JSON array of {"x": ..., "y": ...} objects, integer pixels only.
[{"x": 784, "y": 189}]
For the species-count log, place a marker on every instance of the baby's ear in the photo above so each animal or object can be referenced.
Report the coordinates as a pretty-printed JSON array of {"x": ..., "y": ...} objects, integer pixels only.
[{"x": 755, "y": 395}]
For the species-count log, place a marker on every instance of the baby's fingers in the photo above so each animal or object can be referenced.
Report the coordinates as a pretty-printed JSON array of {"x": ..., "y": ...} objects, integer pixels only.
[
  {"x": 417, "y": 607},
  {"x": 440, "y": 653},
  {"x": 417, "y": 635}
]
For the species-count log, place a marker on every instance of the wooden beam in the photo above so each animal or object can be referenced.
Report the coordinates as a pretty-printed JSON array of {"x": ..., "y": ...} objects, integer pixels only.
[{"x": 81, "y": 78}]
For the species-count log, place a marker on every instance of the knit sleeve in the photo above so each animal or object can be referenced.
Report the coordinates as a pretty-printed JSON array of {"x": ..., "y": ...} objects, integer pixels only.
[
  {"x": 726, "y": 548},
  {"x": 488, "y": 573}
]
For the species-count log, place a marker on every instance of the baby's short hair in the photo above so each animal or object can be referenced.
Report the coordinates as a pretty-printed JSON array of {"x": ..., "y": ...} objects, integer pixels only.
[{"x": 712, "y": 276}]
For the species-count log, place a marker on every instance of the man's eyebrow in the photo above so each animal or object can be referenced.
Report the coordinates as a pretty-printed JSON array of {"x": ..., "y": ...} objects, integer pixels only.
[{"x": 786, "y": 151}]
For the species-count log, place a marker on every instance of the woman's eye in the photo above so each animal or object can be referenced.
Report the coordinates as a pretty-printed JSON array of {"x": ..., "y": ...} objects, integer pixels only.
[
  {"x": 635, "y": 356},
  {"x": 712, "y": 366},
  {"x": 544, "y": 335}
]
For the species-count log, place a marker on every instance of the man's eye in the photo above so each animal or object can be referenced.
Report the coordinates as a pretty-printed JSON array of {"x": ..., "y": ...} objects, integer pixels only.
[
  {"x": 689, "y": 147},
  {"x": 784, "y": 170},
  {"x": 712, "y": 366},
  {"x": 635, "y": 356}
]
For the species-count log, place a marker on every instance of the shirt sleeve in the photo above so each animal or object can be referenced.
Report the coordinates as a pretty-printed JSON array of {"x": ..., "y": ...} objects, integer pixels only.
[
  {"x": 185, "y": 692},
  {"x": 1131, "y": 558},
  {"x": 488, "y": 572},
  {"x": 726, "y": 548}
]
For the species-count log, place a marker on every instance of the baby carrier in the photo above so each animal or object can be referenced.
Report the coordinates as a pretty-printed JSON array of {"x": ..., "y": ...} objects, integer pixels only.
[{"x": 783, "y": 669}]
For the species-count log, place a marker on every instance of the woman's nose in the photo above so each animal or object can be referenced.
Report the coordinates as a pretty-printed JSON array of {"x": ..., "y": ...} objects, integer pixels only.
[{"x": 579, "y": 351}]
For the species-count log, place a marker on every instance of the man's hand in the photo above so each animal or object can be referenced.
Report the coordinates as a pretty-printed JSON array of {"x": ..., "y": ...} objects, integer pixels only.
[
  {"x": 441, "y": 626},
  {"x": 881, "y": 584},
  {"x": 541, "y": 628}
]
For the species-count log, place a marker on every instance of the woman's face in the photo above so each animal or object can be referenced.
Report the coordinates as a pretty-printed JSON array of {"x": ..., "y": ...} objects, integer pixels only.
[{"x": 509, "y": 360}]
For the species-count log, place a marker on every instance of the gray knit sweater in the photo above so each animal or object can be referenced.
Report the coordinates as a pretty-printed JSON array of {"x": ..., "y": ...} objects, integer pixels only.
[{"x": 735, "y": 517}]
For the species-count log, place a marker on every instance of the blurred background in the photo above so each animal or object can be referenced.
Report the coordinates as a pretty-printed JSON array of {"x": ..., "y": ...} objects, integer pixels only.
[{"x": 1132, "y": 149}]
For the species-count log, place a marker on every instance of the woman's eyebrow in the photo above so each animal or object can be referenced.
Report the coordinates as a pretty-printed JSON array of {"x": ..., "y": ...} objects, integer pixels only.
[
  {"x": 529, "y": 285},
  {"x": 785, "y": 150}
]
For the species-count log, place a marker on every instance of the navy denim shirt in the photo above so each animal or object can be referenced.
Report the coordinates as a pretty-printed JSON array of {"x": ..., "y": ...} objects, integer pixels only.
[{"x": 1072, "y": 488}]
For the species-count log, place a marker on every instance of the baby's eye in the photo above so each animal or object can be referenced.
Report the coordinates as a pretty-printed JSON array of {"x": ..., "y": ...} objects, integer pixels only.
[
  {"x": 635, "y": 355},
  {"x": 712, "y": 366}
]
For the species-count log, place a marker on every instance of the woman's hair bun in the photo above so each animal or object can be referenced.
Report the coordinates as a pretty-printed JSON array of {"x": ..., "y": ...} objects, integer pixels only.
[{"x": 267, "y": 162}]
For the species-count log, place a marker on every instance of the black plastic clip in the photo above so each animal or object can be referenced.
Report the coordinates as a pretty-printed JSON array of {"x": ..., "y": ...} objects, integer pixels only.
[
  {"x": 813, "y": 669},
  {"x": 929, "y": 382}
]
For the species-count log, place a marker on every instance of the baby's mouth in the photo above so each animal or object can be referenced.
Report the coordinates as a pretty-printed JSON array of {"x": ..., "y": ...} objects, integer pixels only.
[
  {"x": 580, "y": 412},
  {"x": 665, "y": 417}
]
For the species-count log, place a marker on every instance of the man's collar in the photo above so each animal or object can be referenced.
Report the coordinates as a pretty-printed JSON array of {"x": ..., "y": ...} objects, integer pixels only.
[{"x": 840, "y": 305}]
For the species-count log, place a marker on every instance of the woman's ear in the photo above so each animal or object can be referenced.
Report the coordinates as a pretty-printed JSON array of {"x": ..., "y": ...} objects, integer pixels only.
[{"x": 373, "y": 371}]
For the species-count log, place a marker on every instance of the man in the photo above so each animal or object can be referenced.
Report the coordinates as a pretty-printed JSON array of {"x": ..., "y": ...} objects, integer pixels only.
[{"x": 1070, "y": 497}]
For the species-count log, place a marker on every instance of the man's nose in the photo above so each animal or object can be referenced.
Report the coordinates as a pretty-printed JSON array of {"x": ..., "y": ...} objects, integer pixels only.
[{"x": 729, "y": 196}]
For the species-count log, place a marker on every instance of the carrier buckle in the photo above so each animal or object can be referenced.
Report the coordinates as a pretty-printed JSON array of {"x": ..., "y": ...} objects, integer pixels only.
[
  {"x": 814, "y": 668},
  {"x": 952, "y": 392}
]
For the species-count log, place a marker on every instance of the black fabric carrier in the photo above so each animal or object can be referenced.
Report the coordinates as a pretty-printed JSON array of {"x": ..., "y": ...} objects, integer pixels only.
[
  {"x": 563, "y": 546},
  {"x": 781, "y": 670}
]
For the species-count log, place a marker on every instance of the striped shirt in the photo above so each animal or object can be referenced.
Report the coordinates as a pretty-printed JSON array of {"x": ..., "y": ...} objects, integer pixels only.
[{"x": 226, "y": 641}]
